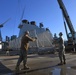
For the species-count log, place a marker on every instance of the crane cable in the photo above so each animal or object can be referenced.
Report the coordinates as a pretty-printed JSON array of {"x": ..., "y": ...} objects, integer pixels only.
[
  {"x": 17, "y": 9},
  {"x": 16, "y": 16}
]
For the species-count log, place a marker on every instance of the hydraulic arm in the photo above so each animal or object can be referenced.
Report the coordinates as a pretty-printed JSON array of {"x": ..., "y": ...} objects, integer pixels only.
[{"x": 67, "y": 18}]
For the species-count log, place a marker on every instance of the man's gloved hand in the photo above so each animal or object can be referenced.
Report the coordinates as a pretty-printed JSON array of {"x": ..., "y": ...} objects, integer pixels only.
[{"x": 35, "y": 37}]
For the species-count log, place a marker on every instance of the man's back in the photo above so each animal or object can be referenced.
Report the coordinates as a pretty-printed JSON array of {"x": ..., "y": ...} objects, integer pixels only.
[{"x": 25, "y": 42}]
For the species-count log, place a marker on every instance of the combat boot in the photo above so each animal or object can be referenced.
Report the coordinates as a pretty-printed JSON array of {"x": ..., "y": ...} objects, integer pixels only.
[
  {"x": 64, "y": 62},
  {"x": 17, "y": 68},
  {"x": 25, "y": 68},
  {"x": 61, "y": 63}
]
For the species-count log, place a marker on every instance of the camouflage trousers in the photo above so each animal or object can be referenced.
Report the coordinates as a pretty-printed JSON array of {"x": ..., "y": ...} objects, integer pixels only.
[
  {"x": 62, "y": 55},
  {"x": 22, "y": 57}
]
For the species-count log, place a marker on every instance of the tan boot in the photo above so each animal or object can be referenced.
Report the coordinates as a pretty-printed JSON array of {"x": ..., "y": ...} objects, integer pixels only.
[
  {"x": 25, "y": 68},
  {"x": 17, "y": 68},
  {"x": 64, "y": 62}
]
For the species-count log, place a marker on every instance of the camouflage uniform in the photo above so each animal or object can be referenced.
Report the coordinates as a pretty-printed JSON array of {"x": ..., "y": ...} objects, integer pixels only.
[
  {"x": 61, "y": 49},
  {"x": 23, "y": 52}
]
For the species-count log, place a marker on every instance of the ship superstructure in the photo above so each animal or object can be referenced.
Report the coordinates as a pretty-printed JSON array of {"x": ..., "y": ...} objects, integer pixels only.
[{"x": 44, "y": 36}]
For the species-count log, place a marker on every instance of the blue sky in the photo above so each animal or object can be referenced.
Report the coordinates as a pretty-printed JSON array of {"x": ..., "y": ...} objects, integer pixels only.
[{"x": 46, "y": 11}]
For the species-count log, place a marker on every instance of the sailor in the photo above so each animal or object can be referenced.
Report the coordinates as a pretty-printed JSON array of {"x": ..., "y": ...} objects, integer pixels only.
[
  {"x": 24, "y": 49},
  {"x": 61, "y": 49}
]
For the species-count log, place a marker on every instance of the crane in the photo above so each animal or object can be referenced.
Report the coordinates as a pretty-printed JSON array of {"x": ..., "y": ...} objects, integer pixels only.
[
  {"x": 72, "y": 35},
  {"x": 1, "y": 25}
]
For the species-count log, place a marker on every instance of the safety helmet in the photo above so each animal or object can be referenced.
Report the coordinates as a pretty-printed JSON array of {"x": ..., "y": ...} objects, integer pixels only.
[
  {"x": 60, "y": 34},
  {"x": 26, "y": 32}
]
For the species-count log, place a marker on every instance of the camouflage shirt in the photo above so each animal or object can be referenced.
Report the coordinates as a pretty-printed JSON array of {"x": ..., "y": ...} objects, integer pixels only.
[
  {"x": 61, "y": 43},
  {"x": 25, "y": 42}
]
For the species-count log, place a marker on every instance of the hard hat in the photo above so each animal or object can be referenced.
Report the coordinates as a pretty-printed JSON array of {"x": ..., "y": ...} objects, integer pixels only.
[
  {"x": 60, "y": 34},
  {"x": 26, "y": 32}
]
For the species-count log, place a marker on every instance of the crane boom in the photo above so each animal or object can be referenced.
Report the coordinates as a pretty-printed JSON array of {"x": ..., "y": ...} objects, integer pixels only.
[
  {"x": 1, "y": 25},
  {"x": 71, "y": 40},
  {"x": 67, "y": 18}
]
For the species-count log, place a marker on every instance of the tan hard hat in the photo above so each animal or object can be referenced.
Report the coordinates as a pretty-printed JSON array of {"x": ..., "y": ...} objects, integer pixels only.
[
  {"x": 26, "y": 32},
  {"x": 60, "y": 34}
]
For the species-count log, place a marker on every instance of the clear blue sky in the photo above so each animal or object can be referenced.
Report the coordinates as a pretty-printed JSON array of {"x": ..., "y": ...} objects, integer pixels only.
[{"x": 46, "y": 11}]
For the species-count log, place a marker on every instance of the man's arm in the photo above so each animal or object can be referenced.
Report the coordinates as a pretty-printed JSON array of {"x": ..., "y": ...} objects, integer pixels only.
[{"x": 31, "y": 39}]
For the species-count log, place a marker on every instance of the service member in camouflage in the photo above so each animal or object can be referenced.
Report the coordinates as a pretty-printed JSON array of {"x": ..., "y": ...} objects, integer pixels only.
[
  {"x": 61, "y": 49},
  {"x": 23, "y": 52}
]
